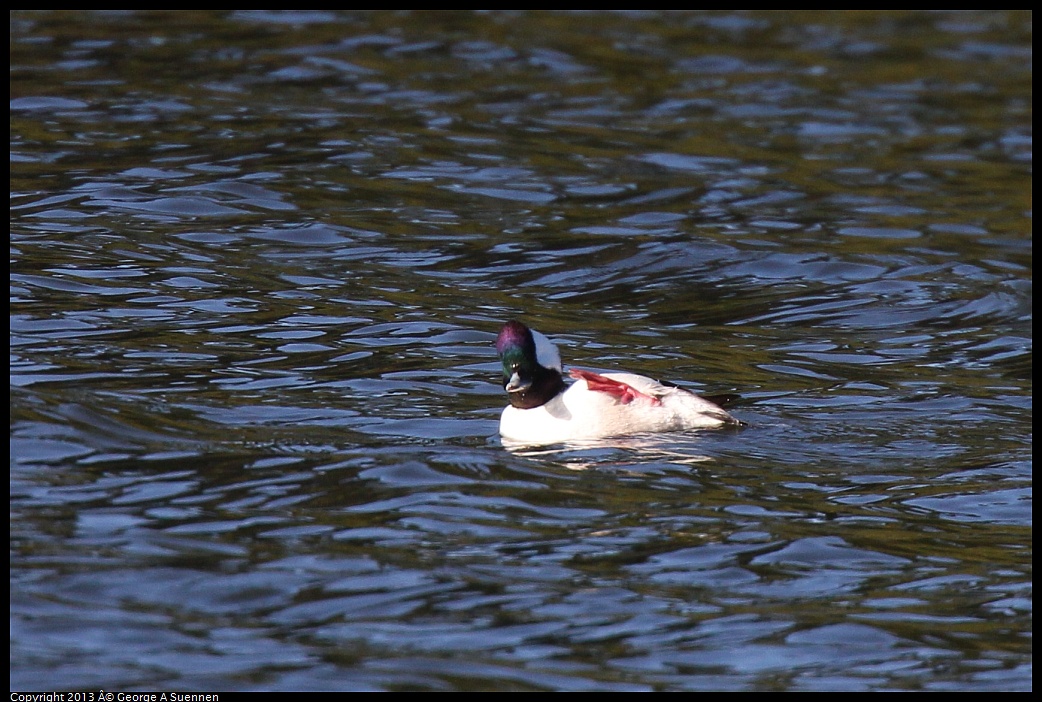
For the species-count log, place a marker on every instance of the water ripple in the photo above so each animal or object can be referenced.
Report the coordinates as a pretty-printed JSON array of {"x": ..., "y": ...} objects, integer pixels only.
[{"x": 255, "y": 289}]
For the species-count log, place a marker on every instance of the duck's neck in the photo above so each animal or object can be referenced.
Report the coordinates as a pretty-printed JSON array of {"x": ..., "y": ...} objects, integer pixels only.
[{"x": 547, "y": 383}]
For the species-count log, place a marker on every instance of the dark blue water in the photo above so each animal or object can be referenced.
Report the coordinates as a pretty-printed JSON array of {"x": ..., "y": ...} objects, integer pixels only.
[{"x": 258, "y": 263}]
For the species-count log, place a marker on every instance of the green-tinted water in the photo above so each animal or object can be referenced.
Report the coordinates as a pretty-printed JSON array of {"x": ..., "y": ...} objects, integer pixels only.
[{"x": 258, "y": 260}]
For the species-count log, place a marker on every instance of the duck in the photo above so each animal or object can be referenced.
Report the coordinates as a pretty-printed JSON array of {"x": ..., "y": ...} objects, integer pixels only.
[{"x": 544, "y": 409}]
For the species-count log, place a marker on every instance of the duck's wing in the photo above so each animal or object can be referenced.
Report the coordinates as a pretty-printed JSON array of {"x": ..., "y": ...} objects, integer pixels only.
[{"x": 621, "y": 391}]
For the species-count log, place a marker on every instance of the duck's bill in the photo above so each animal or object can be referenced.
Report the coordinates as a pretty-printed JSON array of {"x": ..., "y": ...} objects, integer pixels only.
[{"x": 515, "y": 384}]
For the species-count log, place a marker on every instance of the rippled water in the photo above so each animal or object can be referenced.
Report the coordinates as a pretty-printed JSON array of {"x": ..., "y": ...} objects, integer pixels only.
[{"x": 258, "y": 261}]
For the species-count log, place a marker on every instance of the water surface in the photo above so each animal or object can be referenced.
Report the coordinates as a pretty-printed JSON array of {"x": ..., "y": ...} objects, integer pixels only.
[{"x": 258, "y": 262}]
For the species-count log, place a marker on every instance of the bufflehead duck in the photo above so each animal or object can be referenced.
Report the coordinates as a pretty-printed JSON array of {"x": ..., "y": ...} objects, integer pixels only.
[{"x": 544, "y": 410}]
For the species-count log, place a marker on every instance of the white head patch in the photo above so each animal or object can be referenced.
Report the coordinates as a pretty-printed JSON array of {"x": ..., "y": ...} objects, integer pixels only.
[{"x": 546, "y": 354}]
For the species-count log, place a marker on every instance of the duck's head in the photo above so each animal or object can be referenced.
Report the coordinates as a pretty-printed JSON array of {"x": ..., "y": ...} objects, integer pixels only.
[{"x": 531, "y": 366}]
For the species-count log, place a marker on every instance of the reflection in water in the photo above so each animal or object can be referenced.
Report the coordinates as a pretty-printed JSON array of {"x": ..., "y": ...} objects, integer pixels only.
[
  {"x": 641, "y": 450},
  {"x": 258, "y": 261}
]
